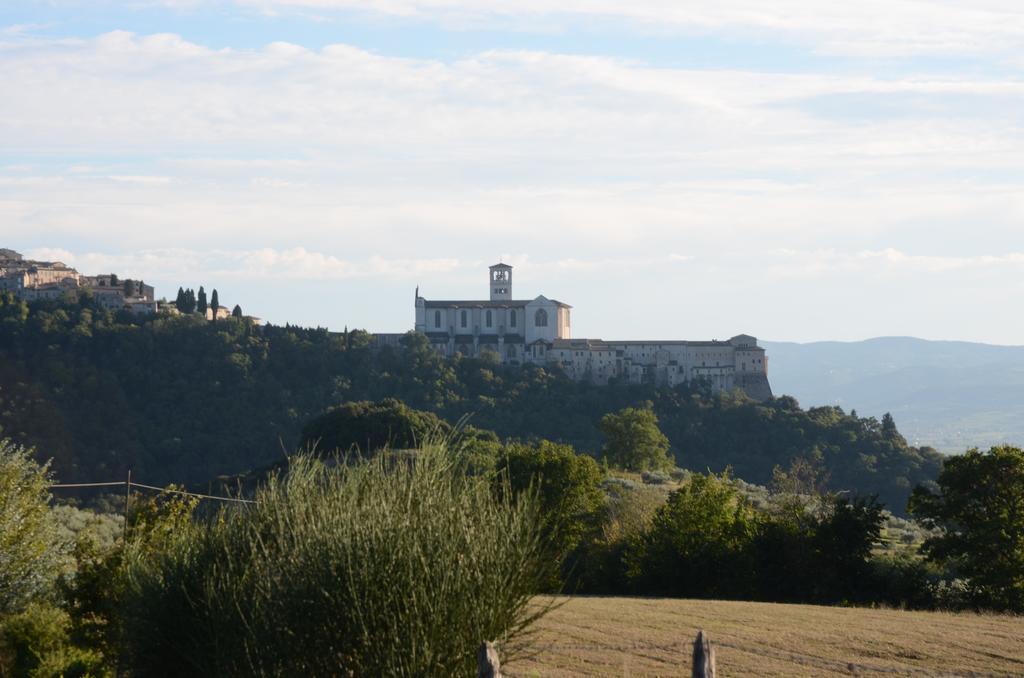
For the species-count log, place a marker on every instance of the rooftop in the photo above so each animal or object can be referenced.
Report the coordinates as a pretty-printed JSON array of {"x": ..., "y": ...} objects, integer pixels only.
[{"x": 510, "y": 303}]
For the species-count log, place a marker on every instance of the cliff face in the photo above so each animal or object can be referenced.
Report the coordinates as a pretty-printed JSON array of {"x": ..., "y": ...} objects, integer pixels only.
[{"x": 755, "y": 385}]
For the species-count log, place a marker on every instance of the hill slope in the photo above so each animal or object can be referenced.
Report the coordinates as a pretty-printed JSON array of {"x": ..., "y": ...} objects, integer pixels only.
[
  {"x": 647, "y": 637},
  {"x": 181, "y": 399},
  {"x": 946, "y": 394}
]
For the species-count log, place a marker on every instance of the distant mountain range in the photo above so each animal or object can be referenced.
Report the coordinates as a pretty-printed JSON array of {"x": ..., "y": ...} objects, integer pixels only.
[{"x": 950, "y": 395}]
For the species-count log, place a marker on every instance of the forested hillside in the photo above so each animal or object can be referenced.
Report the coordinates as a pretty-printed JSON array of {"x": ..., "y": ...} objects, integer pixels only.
[{"x": 181, "y": 399}]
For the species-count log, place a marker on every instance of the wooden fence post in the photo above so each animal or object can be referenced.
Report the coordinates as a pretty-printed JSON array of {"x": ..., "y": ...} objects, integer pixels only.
[
  {"x": 487, "y": 664},
  {"x": 703, "y": 657}
]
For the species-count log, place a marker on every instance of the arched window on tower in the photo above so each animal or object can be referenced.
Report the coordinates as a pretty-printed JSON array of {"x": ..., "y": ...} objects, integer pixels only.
[
  {"x": 489, "y": 318},
  {"x": 512, "y": 318},
  {"x": 437, "y": 318},
  {"x": 463, "y": 318},
  {"x": 541, "y": 319}
]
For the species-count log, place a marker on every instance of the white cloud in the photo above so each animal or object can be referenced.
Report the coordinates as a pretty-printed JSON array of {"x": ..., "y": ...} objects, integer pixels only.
[
  {"x": 867, "y": 27},
  {"x": 265, "y": 263},
  {"x": 825, "y": 263},
  {"x": 139, "y": 179},
  {"x": 355, "y": 115},
  {"x": 336, "y": 164},
  {"x": 51, "y": 254}
]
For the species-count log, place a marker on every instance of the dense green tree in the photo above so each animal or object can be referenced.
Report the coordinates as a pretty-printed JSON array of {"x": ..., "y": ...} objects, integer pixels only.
[
  {"x": 236, "y": 312},
  {"x": 130, "y": 288},
  {"x": 365, "y": 427},
  {"x": 180, "y": 301},
  {"x": 635, "y": 442},
  {"x": 845, "y": 532},
  {"x": 37, "y": 641},
  {"x": 699, "y": 543},
  {"x": 889, "y": 430},
  {"x": 214, "y": 303},
  {"x": 569, "y": 487},
  {"x": 30, "y": 549},
  {"x": 816, "y": 549},
  {"x": 979, "y": 507},
  {"x": 201, "y": 305}
]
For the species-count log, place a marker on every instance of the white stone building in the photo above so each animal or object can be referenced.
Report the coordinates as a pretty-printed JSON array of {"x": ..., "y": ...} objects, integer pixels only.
[
  {"x": 539, "y": 331},
  {"x": 518, "y": 330}
]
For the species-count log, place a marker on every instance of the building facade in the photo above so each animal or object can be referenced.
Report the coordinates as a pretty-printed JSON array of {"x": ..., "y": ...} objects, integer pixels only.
[
  {"x": 518, "y": 330},
  {"x": 52, "y": 280},
  {"x": 539, "y": 331}
]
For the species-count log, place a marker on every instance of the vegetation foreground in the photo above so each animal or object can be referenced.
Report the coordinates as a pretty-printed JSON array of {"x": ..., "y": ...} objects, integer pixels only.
[{"x": 612, "y": 636}]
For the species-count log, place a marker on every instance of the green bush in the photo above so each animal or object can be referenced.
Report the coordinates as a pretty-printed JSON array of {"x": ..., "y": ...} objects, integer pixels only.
[
  {"x": 979, "y": 509},
  {"x": 365, "y": 427},
  {"x": 392, "y": 566},
  {"x": 30, "y": 550},
  {"x": 653, "y": 478},
  {"x": 697, "y": 544},
  {"x": 35, "y": 643},
  {"x": 568, "y": 486},
  {"x": 634, "y": 441}
]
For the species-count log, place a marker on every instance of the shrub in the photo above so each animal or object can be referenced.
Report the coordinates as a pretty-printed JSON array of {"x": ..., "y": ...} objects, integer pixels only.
[
  {"x": 980, "y": 511},
  {"x": 615, "y": 482},
  {"x": 367, "y": 427},
  {"x": 654, "y": 478},
  {"x": 30, "y": 551},
  {"x": 569, "y": 490},
  {"x": 629, "y": 510},
  {"x": 392, "y": 566},
  {"x": 698, "y": 542},
  {"x": 35, "y": 642},
  {"x": 634, "y": 441}
]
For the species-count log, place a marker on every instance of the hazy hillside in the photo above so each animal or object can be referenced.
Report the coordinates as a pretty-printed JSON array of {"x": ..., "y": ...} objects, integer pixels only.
[{"x": 947, "y": 394}]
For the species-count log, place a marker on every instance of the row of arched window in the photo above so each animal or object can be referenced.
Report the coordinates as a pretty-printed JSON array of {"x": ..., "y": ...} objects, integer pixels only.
[{"x": 540, "y": 319}]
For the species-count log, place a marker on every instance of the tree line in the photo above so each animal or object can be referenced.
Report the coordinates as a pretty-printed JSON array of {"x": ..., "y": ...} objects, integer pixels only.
[
  {"x": 179, "y": 399},
  {"x": 189, "y": 301},
  {"x": 343, "y": 562},
  {"x": 673, "y": 532}
]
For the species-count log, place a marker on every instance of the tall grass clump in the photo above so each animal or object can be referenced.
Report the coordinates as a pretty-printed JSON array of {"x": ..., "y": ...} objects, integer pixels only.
[{"x": 393, "y": 566}]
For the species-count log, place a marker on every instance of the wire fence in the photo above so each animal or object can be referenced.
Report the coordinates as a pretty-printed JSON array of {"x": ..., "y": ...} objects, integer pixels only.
[
  {"x": 129, "y": 484},
  {"x": 674, "y": 654}
]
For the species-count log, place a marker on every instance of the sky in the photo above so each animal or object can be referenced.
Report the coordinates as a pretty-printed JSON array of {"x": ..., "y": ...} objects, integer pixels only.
[{"x": 795, "y": 169}]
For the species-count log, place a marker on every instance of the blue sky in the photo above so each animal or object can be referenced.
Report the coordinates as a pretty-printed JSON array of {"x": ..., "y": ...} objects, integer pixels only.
[{"x": 795, "y": 170}]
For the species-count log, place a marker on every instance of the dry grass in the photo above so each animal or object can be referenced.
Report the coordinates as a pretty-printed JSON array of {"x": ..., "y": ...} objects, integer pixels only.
[{"x": 652, "y": 637}]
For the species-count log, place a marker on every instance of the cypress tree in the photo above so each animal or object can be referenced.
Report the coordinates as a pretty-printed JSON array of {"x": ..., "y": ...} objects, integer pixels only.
[
  {"x": 190, "y": 301},
  {"x": 236, "y": 312},
  {"x": 201, "y": 305},
  {"x": 214, "y": 303},
  {"x": 180, "y": 301}
]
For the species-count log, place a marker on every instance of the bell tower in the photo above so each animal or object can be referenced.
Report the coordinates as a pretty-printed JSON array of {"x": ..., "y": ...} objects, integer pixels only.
[{"x": 501, "y": 282}]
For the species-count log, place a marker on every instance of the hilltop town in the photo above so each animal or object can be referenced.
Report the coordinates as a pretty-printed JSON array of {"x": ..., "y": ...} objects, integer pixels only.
[{"x": 32, "y": 280}]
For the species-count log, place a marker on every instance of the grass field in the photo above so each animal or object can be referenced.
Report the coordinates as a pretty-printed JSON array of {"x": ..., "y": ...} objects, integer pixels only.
[{"x": 653, "y": 637}]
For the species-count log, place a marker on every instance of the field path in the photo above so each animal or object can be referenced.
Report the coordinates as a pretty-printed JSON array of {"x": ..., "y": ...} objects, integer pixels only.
[{"x": 599, "y": 636}]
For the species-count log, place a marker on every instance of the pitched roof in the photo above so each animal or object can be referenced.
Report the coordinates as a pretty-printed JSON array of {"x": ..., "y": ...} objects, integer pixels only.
[{"x": 469, "y": 303}]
